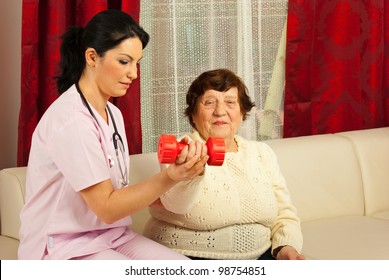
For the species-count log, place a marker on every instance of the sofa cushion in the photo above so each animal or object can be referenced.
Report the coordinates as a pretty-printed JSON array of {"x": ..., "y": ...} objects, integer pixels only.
[
  {"x": 349, "y": 237},
  {"x": 322, "y": 174},
  {"x": 372, "y": 149}
]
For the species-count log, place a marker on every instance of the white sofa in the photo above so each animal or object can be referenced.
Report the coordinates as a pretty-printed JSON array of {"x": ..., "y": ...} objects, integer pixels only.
[{"x": 338, "y": 182}]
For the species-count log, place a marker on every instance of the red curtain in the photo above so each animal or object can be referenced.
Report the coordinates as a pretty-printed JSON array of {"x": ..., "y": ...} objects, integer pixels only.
[
  {"x": 337, "y": 66},
  {"x": 43, "y": 22}
]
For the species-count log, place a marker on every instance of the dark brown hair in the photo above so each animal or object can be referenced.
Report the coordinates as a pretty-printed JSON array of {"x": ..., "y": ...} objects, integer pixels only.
[
  {"x": 103, "y": 32},
  {"x": 220, "y": 80}
]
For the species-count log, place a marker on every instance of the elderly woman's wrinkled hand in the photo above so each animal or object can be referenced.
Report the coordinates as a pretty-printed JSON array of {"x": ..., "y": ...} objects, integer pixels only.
[
  {"x": 190, "y": 162},
  {"x": 289, "y": 253},
  {"x": 192, "y": 149}
]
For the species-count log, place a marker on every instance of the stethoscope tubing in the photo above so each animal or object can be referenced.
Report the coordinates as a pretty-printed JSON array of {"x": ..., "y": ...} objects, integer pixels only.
[{"x": 116, "y": 137}]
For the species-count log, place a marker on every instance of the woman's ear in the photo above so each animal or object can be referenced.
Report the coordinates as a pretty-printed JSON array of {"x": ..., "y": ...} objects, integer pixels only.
[{"x": 91, "y": 57}]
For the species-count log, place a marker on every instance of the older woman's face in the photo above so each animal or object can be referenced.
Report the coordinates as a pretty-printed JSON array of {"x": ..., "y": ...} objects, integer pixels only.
[{"x": 218, "y": 114}]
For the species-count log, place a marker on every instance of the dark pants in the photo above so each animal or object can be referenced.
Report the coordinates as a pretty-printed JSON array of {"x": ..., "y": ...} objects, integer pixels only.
[{"x": 265, "y": 256}]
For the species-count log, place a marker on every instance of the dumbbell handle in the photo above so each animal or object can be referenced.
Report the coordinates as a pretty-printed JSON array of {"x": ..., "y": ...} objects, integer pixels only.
[{"x": 169, "y": 149}]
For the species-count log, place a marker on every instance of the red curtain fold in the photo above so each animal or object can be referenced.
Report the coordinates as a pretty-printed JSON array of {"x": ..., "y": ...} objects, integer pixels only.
[
  {"x": 43, "y": 22},
  {"x": 130, "y": 103},
  {"x": 337, "y": 60}
]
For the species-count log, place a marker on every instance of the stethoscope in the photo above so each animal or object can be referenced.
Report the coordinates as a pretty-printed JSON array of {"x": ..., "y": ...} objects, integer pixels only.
[{"x": 116, "y": 139}]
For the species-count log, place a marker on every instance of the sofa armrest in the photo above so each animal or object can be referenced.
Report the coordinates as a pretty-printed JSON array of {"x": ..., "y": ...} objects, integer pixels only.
[
  {"x": 12, "y": 190},
  {"x": 8, "y": 248}
]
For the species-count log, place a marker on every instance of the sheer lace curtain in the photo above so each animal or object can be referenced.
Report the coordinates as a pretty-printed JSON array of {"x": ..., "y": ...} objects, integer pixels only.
[{"x": 192, "y": 36}]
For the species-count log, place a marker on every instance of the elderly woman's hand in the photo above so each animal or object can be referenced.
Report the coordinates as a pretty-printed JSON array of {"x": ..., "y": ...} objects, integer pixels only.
[
  {"x": 191, "y": 150},
  {"x": 190, "y": 162},
  {"x": 289, "y": 253}
]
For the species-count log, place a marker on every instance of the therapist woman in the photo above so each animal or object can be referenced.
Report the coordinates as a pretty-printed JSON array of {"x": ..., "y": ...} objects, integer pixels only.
[{"x": 78, "y": 202}]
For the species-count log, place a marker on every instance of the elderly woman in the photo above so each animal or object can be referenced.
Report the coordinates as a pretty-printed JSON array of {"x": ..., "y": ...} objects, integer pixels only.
[{"x": 240, "y": 210}]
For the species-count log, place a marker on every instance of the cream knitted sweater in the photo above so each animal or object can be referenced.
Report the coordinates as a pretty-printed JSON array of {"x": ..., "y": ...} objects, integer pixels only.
[{"x": 234, "y": 211}]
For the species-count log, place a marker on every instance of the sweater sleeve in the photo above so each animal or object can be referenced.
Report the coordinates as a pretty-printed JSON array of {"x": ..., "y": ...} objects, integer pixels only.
[
  {"x": 286, "y": 229},
  {"x": 181, "y": 198}
]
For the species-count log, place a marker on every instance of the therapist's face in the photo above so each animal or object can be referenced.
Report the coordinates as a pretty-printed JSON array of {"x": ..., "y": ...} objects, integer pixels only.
[{"x": 115, "y": 71}]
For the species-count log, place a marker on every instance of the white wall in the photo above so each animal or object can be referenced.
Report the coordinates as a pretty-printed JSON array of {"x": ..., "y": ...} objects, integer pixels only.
[{"x": 10, "y": 53}]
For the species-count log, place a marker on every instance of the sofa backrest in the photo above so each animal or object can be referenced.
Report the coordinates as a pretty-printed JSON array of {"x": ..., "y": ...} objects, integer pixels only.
[
  {"x": 372, "y": 149},
  {"x": 142, "y": 167},
  {"x": 323, "y": 176}
]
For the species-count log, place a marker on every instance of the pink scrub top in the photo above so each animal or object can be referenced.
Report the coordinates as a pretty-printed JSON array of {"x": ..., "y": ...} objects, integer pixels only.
[{"x": 70, "y": 151}]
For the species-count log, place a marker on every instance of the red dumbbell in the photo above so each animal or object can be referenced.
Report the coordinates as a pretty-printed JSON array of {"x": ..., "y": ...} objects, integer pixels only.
[{"x": 169, "y": 148}]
